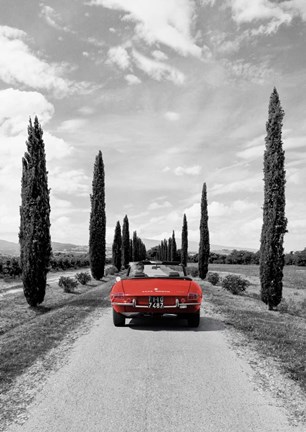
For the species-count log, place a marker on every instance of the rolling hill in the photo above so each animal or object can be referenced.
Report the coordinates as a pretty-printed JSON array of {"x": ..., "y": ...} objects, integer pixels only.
[{"x": 12, "y": 249}]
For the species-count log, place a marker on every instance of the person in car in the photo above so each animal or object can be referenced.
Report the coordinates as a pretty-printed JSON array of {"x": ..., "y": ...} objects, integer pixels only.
[{"x": 139, "y": 270}]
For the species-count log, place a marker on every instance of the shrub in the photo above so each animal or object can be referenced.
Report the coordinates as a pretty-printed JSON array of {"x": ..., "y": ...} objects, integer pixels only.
[
  {"x": 193, "y": 271},
  {"x": 67, "y": 283},
  {"x": 235, "y": 284},
  {"x": 213, "y": 278},
  {"x": 111, "y": 270},
  {"x": 83, "y": 278}
]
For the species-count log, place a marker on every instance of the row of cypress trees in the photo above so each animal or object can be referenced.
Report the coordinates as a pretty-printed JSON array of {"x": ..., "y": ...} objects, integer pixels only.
[
  {"x": 34, "y": 232},
  {"x": 125, "y": 249},
  {"x": 167, "y": 249}
]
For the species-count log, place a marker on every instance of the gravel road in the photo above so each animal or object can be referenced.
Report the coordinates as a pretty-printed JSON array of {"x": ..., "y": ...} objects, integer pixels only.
[{"x": 154, "y": 376}]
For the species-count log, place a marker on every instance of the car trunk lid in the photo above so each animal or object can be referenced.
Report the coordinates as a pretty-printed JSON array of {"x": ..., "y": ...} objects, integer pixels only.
[{"x": 156, "y": 287}]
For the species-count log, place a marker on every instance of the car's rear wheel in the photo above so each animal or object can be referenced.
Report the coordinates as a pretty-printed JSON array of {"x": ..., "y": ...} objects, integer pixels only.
[
  {"x": 194, "y": 320},
  {"x": 118, "y": 319}
]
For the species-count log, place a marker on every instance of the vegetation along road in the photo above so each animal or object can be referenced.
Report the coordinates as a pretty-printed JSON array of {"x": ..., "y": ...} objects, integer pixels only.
[{"x": 153, "y": 375}]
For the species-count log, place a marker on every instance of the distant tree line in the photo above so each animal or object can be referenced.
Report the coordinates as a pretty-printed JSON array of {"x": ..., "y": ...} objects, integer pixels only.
[
  {"x": 11, "y": 267},
  {"x": 126, "y": 249}
]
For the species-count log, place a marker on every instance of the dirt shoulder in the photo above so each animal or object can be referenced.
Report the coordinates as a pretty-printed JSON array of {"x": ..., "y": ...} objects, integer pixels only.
[
  {"x": 273, "y": 343},
  {"x": 34, "y": 340}
]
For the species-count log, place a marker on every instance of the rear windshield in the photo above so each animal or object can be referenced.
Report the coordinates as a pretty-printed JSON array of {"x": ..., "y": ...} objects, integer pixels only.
[{"x": 156, "y": 270}]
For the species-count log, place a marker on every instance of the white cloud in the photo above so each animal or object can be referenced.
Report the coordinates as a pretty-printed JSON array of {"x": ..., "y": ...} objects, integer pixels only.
[
  {"x": 172, "y": 116},
  {"x": 167, "y": 22},
  {"x": 193, "y": 212},
  {"x": 272, "y": 13},
  {"x": 71, "y": 182},
  {"x": 256, "y": 73},
  {"x": 17, "y": 106},
  {"x": 159, "y": 55},
  {"x": 119, "y": 56},
  {"x": 157, "y": 206},
  {"x": 56, "y": 148},
  {"x": 132, "y": 79},
  {"x": 252, "y": 152},
  {"x": 53, "y": 18},
  {"x": 72, "y": 125},
  {"x": 157, "y": 70},
  {"x": 194, "y": 170},
  {"x": 217, "y": 209},
  {"x": 86, "y": 110},
  {"x": 252, "y": 184},
  {"x": 245, "y": 11},
  {"x": 34, "y": 72}
]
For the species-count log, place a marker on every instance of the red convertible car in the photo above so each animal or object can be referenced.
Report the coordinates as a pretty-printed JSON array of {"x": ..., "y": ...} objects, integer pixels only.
[{"x": 153, "y": 288}]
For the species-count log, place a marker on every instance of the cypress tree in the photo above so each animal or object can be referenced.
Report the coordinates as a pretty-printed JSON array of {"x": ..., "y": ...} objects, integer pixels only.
[
  {"x": 174, "y": 248},
  {"x": 125, "y": 242},
  {"x": 34, "y": 233},
  {"x": 204, "y": 247},
  {"x": 184, "y": 250},
  {"x": 169, "y": 249},
  {"x": 117, "y": 247},
  {"x": 97, "y": 225},
  {"x": 131, "y": 249},
  {"x": 135, "y": 253},
  {"x": 274, "y": 220}
]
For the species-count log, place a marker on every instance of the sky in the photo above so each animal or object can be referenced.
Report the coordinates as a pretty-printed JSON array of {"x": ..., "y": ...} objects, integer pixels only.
[{"x": 174, "y": 93}]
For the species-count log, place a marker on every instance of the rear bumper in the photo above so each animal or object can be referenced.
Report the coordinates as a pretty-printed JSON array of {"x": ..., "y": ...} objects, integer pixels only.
[
  {"x": 175, "y": 306},
  {"x": 133, "y": 309}
]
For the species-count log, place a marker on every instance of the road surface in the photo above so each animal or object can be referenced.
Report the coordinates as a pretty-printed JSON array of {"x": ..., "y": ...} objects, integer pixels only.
[{"x": 154, "y": 376}]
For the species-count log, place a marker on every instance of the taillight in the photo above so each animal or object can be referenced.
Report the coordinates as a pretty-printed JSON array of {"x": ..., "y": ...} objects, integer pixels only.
[
  {"x": 117, "y": 295},
  {"x": 192, "y": 296}
]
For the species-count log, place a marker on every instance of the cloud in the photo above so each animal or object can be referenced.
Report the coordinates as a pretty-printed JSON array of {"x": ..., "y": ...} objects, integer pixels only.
[
  {"x": 159, "y": 55},
  {"x": 272, "y": 13},
  {"x": 72, "y": 125},
  {"x": 118, "y": 56},
  {"x": 74, "y": 182},
  {"x": 17, "y": 106},
  {"x": 157, "y": 70},
  {"x": 56, "y": 148},
  {"x": 132, "y": 79},
  {"x": 194, "y": 170},
  {"x": 172, "y": 116},
  {"x": 156, "y": 205},
  {"x": 256, "y": 73},
  {"x": 53, "y": 18},
  {"x": 34, "y": 73},
  {"x": 167, "y": 22},
  {"x": 245, "y": 11},
  {"x": 252, "y": 184}
]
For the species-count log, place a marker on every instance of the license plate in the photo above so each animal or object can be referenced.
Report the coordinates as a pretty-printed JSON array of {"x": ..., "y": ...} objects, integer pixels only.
[{"x": 156, "y": 302}]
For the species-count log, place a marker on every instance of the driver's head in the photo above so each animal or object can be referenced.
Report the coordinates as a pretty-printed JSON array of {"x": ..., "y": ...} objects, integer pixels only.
[{"x": 139, "y": 267}]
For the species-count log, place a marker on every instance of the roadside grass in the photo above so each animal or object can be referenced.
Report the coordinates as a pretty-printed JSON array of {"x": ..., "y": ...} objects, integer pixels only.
[
  {"x": 27, "y": 334},
  {"x": 278, "y": 334}
]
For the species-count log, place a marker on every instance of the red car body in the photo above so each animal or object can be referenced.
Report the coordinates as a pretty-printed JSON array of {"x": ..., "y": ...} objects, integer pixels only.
[{"x": 162, "y": 288}]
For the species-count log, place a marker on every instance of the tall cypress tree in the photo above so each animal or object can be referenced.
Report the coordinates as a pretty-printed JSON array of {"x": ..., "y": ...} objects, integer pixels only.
[
  {"x": 184, "y": 249},
  {"x": 34, "y": 234},
  {"x": 274, "y": 220},
  {"x": 117, "y": 247},
  {"x": 125, "y": 242},
  {"x": 173, "y": 248},
  {"x": 97, "y": 225},
  {"x": 204, "y": 247}
]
